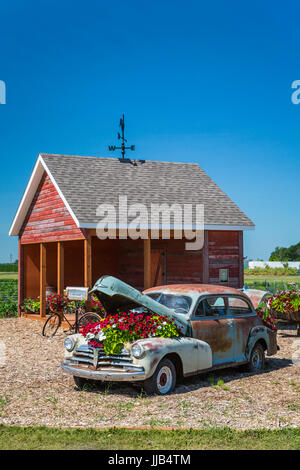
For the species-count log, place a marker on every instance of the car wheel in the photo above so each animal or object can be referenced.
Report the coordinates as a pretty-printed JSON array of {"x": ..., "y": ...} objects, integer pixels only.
[
  {"x": 163, "y": 380},
  {"x": 257, "y": 358}
]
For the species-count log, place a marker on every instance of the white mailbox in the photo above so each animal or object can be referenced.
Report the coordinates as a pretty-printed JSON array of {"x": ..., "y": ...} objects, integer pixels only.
[{"x": 77, "y": 293}]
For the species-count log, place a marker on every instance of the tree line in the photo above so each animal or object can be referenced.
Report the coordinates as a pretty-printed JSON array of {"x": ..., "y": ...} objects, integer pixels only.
[{"x": 292, "y": 253}]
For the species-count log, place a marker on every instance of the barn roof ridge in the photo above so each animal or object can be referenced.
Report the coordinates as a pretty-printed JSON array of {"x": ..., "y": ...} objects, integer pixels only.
[{"x": 118, "y": 158}]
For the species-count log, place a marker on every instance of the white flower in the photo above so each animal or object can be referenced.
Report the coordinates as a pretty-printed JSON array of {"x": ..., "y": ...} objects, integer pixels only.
[
  {"x": 164, "y": 322},
  {"x": 159, "y": 327},
  {"x": 101, "y": 336},
  {"x": 114, "y": 326}
]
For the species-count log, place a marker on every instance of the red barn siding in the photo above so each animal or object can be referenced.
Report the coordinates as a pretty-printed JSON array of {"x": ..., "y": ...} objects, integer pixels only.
[
  {"x": 48, "y": 219},
  {"x": 31, "y": 271},
  {"x": 182, "y": 266},
  {"x": 131, "y": 262},
  {"x": 125, "y": 260},
  {"x": 224, "y": 253},
  {"x": 105, "y": 258},
  {"x": 179, "y": 265}
]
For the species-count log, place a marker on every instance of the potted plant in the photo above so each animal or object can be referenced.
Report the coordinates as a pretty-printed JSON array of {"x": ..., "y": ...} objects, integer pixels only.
[{"x": 31, "y": 306}]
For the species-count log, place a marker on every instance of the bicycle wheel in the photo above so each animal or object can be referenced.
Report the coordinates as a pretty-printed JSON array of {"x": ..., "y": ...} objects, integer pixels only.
[
  {"x": 51, "y": 325},
  {"x": 89, "y": 317}
]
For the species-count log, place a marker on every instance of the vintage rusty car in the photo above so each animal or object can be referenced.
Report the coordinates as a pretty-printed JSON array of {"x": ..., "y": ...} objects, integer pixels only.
[{"x": 219, "y": 328}]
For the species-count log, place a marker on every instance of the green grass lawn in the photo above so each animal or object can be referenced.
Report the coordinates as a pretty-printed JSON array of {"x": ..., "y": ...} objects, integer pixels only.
[
  {"x": 14, "y": 437},
  {"x": 8, "y": 275}
]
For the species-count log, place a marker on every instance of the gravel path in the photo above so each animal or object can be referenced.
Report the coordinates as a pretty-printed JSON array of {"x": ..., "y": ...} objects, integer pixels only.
[{"x": 34, "y": 390}]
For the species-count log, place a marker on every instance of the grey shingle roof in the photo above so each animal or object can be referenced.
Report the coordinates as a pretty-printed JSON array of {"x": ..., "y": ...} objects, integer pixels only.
[{"x": 87, "y": 182}]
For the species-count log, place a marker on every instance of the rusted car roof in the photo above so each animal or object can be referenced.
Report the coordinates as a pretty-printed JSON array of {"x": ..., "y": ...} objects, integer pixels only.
[{"x": 201, "y": 288}]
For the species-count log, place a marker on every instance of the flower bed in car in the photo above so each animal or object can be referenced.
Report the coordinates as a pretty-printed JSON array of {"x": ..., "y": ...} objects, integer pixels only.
[
  {"x": 285, "y": 305},
  {"x": 265, "y": 314},
  {"x": 113, "y": 331}
]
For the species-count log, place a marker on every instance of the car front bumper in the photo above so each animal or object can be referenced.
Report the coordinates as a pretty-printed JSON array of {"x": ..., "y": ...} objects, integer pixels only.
[{"x": 104, "y": 375}]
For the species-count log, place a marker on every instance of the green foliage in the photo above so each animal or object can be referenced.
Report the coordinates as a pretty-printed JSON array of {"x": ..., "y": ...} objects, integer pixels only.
[
  {"x": 8, "y": 298},
  {"x": 115, "y": 340},
  {"x": 9, "y": 308},
  {"x": 33, "y": 305},
  {"x": 113, "y": 331},
  {"x": 285, "y": 301},
  {"x": 292, "y": 253}
]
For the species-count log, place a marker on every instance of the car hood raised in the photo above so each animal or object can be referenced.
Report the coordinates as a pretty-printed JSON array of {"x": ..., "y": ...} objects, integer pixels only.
[{"x": 115, "y": 294}]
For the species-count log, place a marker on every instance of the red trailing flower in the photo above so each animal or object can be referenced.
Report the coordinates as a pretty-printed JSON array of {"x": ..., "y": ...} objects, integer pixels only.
[{"x": 57, "y": 302}]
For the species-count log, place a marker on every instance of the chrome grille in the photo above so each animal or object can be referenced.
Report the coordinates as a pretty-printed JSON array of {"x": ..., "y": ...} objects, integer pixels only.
[{"x": 86, "y": 355}]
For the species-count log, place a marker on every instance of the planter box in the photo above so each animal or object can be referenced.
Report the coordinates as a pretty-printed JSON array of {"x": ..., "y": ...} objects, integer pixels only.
[
  {"x": 287, "y": 316},
  {"x": 280, "y": 316},
  {"x": 295, "y": 316}
]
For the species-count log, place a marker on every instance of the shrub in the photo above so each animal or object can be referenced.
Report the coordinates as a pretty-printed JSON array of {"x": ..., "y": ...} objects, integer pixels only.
[{"x": 8, "y": 308}]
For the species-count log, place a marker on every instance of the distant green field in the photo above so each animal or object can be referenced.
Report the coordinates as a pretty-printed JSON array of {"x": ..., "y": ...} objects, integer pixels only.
[
  {"x": 8, "y": 275},
  {"x": 286, "y": 279},
  {"x": 270, "y": 282},
  {"x": 249, "y": 279}
]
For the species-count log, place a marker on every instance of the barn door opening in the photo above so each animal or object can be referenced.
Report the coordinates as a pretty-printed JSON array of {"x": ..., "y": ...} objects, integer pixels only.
[{"x": 158, "y": 267}]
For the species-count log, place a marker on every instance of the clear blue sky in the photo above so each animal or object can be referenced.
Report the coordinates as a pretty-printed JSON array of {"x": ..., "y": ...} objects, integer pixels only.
[{"x": 206, "y": 82}]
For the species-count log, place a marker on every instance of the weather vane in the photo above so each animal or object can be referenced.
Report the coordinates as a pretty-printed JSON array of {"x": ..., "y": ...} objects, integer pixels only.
[{"x": 123, "y": 147}]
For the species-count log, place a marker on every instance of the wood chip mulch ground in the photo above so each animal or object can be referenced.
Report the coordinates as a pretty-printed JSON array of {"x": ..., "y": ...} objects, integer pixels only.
[{"x": 35, "y": 391}]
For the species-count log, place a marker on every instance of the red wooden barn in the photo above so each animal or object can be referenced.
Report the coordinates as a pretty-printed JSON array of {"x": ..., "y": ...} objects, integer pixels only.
[{"x": 57, "y": 218}]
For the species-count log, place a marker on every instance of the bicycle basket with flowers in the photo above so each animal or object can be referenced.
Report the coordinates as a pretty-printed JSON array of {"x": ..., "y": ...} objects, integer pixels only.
[{"x": 57, "y": 303}]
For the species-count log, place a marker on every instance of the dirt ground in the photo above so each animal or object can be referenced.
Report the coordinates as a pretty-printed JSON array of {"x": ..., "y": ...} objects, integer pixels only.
[{"x": 35, "y": 391}]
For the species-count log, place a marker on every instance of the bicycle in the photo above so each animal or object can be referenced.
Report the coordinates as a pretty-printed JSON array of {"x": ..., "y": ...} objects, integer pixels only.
[{"x": 55, "y": 319}]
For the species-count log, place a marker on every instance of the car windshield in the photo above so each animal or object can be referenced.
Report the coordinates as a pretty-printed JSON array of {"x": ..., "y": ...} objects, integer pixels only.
[{"x": 178, "y": 303}]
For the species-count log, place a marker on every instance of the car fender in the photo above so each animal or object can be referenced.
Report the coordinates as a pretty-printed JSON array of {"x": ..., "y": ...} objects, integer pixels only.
[
  {"x": 265, "y": 334},
  {"x": 195, "y": 355}
]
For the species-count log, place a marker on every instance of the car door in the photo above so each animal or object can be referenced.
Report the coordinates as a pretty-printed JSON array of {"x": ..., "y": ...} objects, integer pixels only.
[
  {"x": 244, "y": 318},
  {"x": 211, "y": 324}
]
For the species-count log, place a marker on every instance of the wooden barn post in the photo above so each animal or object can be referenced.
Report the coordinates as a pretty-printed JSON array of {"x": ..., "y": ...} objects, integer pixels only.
[
  {"x": 147, "y": 262},
  {"x": 20, "y": 277},
  {"x": 88, "y": 263},
  {"x": 205, "y": 260},
  {"x": 42, "y": 280},
  {"x": 241, "y": 259},
  {"x": 60, "y": 268}
]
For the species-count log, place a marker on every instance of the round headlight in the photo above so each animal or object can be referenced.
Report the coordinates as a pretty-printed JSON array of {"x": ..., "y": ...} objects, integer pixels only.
[
  {"x": 137, "y": 351},
  {"x": 69, "y": 343}
]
